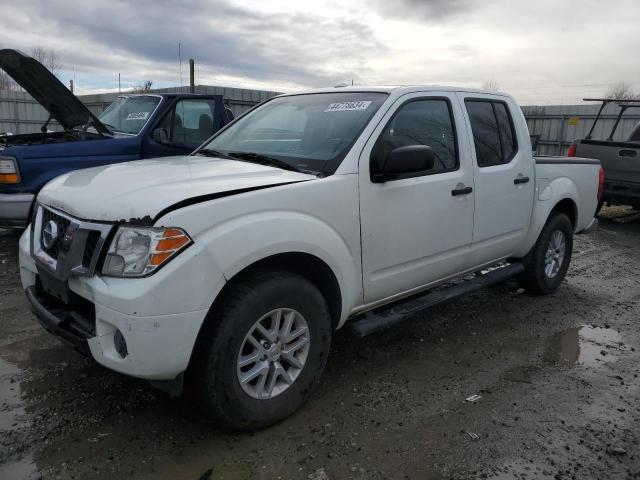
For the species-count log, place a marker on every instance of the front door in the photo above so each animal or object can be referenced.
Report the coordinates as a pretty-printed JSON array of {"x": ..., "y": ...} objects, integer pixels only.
[{"x": 416, "y": 229}]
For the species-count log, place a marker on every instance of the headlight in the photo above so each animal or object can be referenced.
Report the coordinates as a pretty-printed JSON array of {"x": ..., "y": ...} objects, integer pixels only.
[
  {"x": 139, "y": 251},
  {"x": 9, "y": 173}
]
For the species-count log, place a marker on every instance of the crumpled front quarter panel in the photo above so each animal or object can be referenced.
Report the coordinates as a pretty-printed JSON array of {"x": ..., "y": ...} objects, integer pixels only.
[{"x": 319, "y": 217}]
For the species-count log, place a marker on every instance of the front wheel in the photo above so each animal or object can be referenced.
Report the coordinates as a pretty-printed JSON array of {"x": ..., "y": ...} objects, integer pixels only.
[
  {"x": 549, "y": 259},
  {"x": 263, "y": 349}
]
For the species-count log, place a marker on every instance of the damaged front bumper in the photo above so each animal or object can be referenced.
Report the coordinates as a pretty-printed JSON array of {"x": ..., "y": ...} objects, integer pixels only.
[
  {"x": 64, "y": 323},
  {"x": 101, "y": 315}
]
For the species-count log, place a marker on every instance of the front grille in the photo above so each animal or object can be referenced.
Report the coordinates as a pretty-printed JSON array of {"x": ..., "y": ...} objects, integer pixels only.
[
  {"x": 65, "y": 245},
  {"x": 90, "y": 248},
  {"x": 62, "y": 225}
]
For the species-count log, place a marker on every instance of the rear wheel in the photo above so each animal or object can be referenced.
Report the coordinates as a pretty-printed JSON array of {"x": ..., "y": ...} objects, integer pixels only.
[
  {"x": 549, "y": 259},
  {"x": 263, "y": 349}
]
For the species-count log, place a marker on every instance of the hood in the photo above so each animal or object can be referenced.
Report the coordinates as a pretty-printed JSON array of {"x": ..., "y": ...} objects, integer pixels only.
[
  {"x": 47, "y": 90},
  {"x": 145, "y": 188}
]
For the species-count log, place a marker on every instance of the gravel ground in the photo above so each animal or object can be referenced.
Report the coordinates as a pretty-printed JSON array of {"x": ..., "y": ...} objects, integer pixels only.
[{"x": 557, "y": 377}]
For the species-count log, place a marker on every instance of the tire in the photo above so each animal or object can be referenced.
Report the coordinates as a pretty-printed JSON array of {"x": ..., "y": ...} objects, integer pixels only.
[
  {"x": 539, "y": 276},
  {"x": 215, "y": 370}
]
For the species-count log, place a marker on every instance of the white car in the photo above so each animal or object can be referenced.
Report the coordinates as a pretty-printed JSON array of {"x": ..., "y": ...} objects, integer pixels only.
[{"x": 231, "y": 268}]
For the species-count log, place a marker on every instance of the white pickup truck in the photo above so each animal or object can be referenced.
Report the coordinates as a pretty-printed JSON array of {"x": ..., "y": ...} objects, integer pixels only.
[{"x": 228, "y": 270}]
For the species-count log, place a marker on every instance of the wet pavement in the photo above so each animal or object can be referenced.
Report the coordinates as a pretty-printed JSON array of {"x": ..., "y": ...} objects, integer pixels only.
[{"x": 557, "y": 377}]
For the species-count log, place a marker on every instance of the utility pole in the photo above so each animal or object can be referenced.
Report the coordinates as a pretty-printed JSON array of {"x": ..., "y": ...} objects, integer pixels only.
[
  {"x": 180, "y": 63},
  {"x": 192, "y": 80},
  {"x": 119, "y": 89}
]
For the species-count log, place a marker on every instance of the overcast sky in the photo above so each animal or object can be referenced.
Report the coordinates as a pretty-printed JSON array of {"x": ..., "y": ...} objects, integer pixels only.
[{"x": 544, "y": 51}]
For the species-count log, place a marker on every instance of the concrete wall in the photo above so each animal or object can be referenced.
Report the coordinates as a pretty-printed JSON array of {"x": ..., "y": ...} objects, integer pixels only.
[{"x": 19, "y": 113}]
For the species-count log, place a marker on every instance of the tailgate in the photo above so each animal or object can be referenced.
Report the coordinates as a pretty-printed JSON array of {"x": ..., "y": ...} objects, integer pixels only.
[{"x": 620, "y": 160}]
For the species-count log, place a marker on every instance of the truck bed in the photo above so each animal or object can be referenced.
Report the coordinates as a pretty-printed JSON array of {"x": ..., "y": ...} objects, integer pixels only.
[
  {"x": 558, "y": 160},
  {"x": 621, "y": 163},
  {"x": 578, "y": 176}
]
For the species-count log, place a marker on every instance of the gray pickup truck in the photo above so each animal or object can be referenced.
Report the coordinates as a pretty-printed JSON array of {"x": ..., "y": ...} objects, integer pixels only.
[{"x": 620, "y": 159}]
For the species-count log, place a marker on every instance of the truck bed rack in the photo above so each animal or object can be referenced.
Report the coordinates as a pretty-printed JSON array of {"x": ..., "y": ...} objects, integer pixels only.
[{"x": 623, "y": 103}]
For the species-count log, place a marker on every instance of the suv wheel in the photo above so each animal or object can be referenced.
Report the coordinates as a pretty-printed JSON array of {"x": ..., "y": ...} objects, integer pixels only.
[{"x": 262, "y": 350}]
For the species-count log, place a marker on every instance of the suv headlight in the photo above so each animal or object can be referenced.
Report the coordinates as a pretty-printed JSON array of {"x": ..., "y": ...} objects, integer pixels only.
[{"x": 139, "y": 251}]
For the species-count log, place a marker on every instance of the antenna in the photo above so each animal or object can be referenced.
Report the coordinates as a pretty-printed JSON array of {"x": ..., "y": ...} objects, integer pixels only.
[{"x": 180, "y": 64}]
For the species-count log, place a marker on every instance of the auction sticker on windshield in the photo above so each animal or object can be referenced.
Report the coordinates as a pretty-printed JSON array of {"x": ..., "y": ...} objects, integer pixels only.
[
  {"x": 138, "y": 116},
  {"x": 348, "y": 106}
]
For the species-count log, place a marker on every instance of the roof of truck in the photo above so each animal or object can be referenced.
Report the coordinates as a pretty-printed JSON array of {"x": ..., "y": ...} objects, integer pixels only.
[{"x": 403, "y": 88}]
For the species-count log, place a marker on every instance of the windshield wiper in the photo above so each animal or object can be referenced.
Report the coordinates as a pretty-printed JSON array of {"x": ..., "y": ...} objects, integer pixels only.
[
  {"x": 263, "y": 160},
  {"x": 212, "y": 153}
]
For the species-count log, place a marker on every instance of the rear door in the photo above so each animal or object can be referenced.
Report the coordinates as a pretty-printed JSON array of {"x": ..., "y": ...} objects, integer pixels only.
[
  {"x": 504, "y": 176},
  {"x": 416, "y": 229}
]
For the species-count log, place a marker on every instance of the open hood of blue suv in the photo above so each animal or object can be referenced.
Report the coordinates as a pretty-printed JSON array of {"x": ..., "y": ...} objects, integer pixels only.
[{"x": 48, "y": 91}]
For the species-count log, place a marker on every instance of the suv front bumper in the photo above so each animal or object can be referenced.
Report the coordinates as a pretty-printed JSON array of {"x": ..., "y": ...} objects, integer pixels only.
[
  {"x": 152, "y": 314},
  {"x": 15, "y": 209}
]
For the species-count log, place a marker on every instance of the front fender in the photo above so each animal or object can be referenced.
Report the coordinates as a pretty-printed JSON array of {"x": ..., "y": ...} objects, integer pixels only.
[
  {"x": 548, "y": 194},
  {"x": 242, "y": 241}
]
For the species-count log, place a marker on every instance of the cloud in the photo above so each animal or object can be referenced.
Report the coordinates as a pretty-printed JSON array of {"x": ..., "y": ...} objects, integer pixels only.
[
  {"x": 544, "y": 51},
  {"x": 429, "y": 10},
  {"x": 290, "y": 47}
]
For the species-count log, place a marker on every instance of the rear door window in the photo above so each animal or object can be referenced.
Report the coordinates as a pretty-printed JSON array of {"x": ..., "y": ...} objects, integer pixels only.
[
  {"x": 507, "y": 137},
  {"x": 493, "y": 133}
]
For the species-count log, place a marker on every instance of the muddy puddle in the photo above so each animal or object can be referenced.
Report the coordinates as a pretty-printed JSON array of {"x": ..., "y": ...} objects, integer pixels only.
[
  {"x": 586, "y": 346},
  {"x": 23, "y": 470}
]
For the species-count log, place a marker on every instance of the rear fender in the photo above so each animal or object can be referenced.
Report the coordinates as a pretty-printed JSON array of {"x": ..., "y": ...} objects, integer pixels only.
[{"x": 548, "y": 195}]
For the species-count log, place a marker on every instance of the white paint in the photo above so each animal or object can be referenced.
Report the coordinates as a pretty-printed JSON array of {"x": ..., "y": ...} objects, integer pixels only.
[{"x": 413, "y": 232}]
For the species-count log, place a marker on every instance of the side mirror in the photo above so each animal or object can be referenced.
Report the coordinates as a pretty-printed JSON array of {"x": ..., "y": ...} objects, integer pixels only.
[
  {"x": 160, "y": 135},
  {"x": 406, "y": 160}
]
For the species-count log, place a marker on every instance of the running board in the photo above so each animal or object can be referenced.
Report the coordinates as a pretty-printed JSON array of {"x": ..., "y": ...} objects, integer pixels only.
[{"x": 390, "y": 316}]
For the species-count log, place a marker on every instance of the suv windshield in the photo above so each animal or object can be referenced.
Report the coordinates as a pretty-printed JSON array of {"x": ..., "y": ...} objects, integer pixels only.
[
  {"x": 129, "y": 114},
  {"x": 310, "y": 132}
]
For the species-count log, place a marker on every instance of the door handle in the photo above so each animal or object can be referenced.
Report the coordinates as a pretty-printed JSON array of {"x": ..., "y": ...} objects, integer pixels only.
[
  {"x": 627, "y": 153},
  {"x": 519, "y": 180},
  {"x": 461, "y": 191}
]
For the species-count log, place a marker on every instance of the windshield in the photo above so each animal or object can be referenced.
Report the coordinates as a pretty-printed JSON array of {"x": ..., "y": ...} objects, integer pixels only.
[
  {"x": 129, "y": 114},
  {"x": 311, "y": 132}
]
